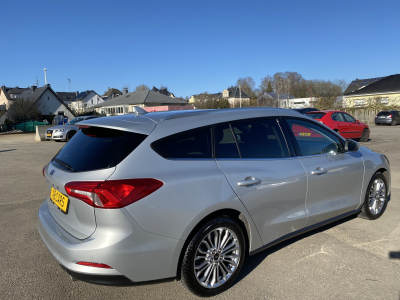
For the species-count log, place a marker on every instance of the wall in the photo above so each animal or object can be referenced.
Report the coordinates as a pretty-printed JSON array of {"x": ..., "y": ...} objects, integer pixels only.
[
  {"x": 394, "y": 99},
  {"x": 364, "y": 115}
]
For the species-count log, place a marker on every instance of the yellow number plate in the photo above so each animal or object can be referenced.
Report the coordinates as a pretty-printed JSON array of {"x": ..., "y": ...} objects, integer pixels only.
[
  {"x": 60, "y": 200},
  {"x": 49, "y": 134},
  {"x": 305, "y": 134}
]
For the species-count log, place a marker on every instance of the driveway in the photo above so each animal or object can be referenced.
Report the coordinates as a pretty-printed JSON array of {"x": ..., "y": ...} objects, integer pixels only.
[{"x": 350, "y": 259}]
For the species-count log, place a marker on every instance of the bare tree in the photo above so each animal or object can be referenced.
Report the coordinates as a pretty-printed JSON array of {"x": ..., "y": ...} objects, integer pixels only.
[
  {"x": 25, "y": 109},
  {"x": 142, "y": 87},
  {"x": 247, "y": 85}
]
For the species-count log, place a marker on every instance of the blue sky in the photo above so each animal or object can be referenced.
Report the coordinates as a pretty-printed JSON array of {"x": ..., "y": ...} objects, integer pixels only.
[{"x": 194, "y": 46}]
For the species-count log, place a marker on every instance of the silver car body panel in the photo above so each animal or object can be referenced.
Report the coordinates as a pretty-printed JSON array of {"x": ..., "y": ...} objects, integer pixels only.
[
  {"x": 144, "y": 240},
  {"x": 80, "y": 220},
  {"x": 59, "y": 132},
  {"x": 277, "y": 203},
  {"x": 333, "y": 193}
]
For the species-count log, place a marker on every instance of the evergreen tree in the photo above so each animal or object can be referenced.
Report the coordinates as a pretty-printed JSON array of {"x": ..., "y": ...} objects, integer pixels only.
[{"x": 269, "y": 88}]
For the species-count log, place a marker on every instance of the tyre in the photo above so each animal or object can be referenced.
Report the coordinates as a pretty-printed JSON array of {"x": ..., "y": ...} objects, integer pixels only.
[
  {"x": 213, "y": 258},
  {"x": 70, "y": 135},
  {"x": 364, "y": 136},
  {"x": 375, "y": 201},
  {"x": 394, "y": 122}
]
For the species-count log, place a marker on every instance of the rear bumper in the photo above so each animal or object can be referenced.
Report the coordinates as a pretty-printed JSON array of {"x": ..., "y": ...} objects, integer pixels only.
[
  {"x": 133, "y": 254},
  {"x": 382, "y": 121}
]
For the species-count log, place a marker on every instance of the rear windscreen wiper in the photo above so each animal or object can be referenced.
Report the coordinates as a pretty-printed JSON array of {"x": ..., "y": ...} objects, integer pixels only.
[{"x": 65, "y": 165}]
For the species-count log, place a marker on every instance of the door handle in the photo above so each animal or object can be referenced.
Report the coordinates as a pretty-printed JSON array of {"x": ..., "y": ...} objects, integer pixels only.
[
  {"x": 249, "y": 181},
  {"x": 319, "y": 171}
]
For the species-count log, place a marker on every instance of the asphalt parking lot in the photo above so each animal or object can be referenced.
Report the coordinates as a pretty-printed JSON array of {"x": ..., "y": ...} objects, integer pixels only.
[{"x": 350, "y": 259}]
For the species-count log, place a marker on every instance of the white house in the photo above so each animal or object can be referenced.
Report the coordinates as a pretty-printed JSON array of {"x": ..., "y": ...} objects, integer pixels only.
[
  {"x": 85, "y": 101},
  {"x": 50, "y": 102},
  {"x": 301, "y": 102}
]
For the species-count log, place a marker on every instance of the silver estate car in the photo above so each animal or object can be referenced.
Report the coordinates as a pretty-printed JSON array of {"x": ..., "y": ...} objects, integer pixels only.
[
  {"x": 67, "y": 131},
  {"x": 187, "y": 195}
]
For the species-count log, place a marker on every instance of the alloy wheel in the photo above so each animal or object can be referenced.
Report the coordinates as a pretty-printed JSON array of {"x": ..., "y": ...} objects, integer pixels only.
[
  {"x": 377, "y": 195},
  {"x": 217, "y": 257}
]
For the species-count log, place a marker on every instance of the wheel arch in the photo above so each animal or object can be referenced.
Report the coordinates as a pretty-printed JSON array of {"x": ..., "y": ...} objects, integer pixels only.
[{"x": 229, "y": 212}]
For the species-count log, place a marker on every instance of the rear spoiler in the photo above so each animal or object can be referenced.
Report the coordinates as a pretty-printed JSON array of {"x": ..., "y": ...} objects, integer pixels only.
[{"x": 138, "y": 111}]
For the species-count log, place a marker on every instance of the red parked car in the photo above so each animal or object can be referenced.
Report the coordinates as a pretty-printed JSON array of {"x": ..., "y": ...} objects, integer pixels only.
[{"x": 343, "y": 123}]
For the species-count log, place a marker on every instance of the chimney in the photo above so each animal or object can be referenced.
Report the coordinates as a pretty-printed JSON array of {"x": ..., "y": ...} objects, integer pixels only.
[
  {"x": 87, "y": 92},
  {"x": 125, "y": 90},
  {"x": 76, "y": 93},
  {"x": 33, "y": 88}
]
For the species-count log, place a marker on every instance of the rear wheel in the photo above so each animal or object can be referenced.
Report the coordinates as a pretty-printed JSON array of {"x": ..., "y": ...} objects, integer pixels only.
[
  {"x": 213, "y": 258},
  {"x": 70, "y": 135},
  {"x": 375, "y": 201},
  {"x": 394, "y": 122},
  {"x": 364, "y": 136}
]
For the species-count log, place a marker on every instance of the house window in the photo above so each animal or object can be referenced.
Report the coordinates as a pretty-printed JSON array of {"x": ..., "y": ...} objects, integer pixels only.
[
  {"x": 359, "y": 102},
  {"x": 384, "y": 101},
  {"x": 48, "y": 98},
  {"x": 91, "y": 101}
]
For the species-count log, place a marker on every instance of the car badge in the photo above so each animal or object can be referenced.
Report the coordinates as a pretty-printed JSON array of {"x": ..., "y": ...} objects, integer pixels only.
[{"x": 51, "y": 172}]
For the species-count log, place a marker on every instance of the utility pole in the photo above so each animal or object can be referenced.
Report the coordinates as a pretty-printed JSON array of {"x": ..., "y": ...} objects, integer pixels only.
[
  {"x": 240, "y": 93},
  {"x": 45, "y": 78},
  {"x": 69, "y": 83}
]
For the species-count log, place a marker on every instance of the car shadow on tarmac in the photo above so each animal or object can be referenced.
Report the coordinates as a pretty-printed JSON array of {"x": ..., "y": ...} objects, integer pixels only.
[{"x": 253, "y": 261}]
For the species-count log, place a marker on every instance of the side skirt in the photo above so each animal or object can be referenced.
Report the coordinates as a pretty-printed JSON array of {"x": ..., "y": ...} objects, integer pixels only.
[{"x": 304, "y": 230}]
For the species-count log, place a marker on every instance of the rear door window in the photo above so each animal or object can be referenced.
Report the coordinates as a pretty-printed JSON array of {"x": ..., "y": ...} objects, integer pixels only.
[
  {"x": 225, "y": 144},
  {"x": 338, "y": 117},
  {"x": 187, "y": 145},
  {"x": 97, "y": 148},
  {"x": 260, "y": 139}
]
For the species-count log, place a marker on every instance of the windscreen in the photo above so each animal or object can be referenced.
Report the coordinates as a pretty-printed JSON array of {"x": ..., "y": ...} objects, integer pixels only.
[
  {"x": 97, "y": 148},
  {"x": 76, "y": 120},
  {"x": 315, "y": 115},
  {"x": 384, "y": 113}
]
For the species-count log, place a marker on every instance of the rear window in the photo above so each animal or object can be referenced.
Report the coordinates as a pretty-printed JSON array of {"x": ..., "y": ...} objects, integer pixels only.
[
  {"x": 315, "y": 115},
  {"x": 193, "y": 144},
  {"x": 384, "y": 113},
  {"x": 97, "y": 148}
]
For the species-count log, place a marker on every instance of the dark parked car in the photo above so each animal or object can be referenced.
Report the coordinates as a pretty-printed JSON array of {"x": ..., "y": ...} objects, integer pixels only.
[
  {"x": 390, "y": 117},
  {"x": 305, "y": 110}
]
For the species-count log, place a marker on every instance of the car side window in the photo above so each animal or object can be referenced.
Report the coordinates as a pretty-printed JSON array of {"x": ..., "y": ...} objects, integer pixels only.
[
  {"x": 260, "y": 139},
  {"x": 337, "y": 117},
  {"x": 348, "y": 118},
  {"x": 193, "y": 144},
  {"x": 312, "y": 139},
  {"x": 225, "y": 144}
]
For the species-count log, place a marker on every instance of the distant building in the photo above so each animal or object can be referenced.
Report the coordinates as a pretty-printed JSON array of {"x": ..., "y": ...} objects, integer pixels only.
[
  {"x": 125, "y": 103},
  {"x": 163, "y": 91},
  {"x": 8, "y": 94},
  {"x": 384, "y": 91},
  {"x": 85, "y": 101},
  {"x": 111, "y": 93},
  {"x": 66, "y": 97},
  {"x": 234, "y": 95},
  {"x": 282, "y": 99}
]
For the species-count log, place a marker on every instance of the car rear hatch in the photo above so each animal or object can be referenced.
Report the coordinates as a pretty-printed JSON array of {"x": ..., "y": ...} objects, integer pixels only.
[
  {"x": 384, "y": 115},
  {"x": 90, "y": 157}
]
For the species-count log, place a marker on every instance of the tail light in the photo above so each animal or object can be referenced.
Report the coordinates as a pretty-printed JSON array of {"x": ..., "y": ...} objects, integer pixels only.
[
  {"x": 44, "y": 169},
  {"x": 112, "y": 193},
  {"x": 95, "y": 265},
  {"x": 389, "y": 116}
]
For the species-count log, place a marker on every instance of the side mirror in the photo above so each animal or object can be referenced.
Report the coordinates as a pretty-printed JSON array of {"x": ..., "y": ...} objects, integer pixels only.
[{"x": 351, "y": 146}]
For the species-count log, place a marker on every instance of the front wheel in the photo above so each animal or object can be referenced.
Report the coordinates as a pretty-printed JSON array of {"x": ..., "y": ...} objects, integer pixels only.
[
  {"x": 213, "y": 258},
  {"x": 364, "y": 136},
  {"x": 70, "y": 135},
  {"x": 375, "y": 201}
]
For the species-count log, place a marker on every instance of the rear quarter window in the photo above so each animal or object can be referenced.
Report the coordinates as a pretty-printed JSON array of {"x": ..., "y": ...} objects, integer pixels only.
[
  {"x": 96, "y": 148},
  {"x": 194, "y": 144}
]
